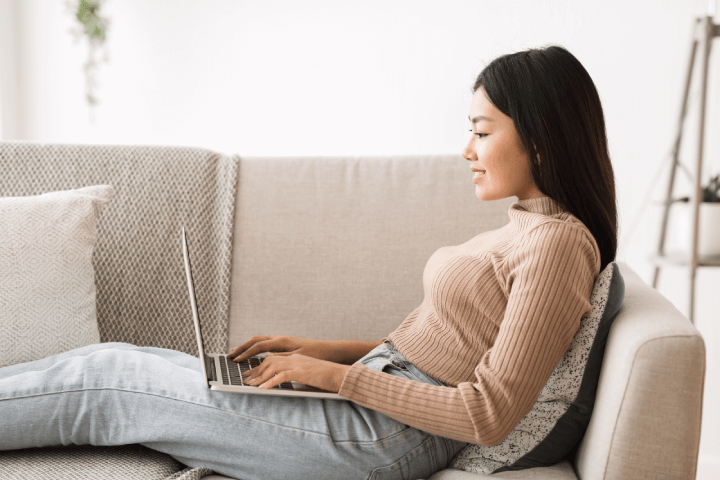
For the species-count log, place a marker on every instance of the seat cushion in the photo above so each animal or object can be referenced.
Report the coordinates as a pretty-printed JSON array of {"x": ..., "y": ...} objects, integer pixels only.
[
  {"x": 559, "y": 471},
  {"x": 81, "y": 462}
]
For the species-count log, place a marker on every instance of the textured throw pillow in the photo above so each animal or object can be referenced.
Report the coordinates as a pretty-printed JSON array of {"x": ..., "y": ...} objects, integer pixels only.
[
  {"x": 47, "y": 281},
  {"x": 559, "y": 418}
]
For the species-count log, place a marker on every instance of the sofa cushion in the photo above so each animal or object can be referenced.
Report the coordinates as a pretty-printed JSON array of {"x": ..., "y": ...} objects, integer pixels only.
[
  {"x": 559, "y": 418},
  {"x": 47, "y": 281},
  {"x": 334, "y": 248},
  {"x": 87, "y": 462},
  {"x": 559, "y": 471}
]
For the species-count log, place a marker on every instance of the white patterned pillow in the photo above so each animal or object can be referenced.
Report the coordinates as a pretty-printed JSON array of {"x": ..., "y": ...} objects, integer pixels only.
[
  {"x": 559, "y": 418},
  {"x": 47, "y": 281}
]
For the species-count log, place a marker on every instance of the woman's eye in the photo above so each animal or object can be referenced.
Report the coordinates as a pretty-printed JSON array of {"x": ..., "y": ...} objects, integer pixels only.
[{"x": 480, "y": 135}]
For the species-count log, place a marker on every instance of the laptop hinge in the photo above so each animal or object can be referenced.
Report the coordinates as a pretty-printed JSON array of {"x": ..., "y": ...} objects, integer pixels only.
[{"x": 210, "y": 368}]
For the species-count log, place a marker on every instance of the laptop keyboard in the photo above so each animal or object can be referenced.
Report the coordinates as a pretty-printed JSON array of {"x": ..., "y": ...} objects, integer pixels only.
[{"x": 232, "y": 372}]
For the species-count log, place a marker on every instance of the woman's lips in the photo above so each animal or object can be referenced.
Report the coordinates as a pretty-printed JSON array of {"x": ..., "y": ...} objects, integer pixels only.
[{"x": 478, "y": 175}]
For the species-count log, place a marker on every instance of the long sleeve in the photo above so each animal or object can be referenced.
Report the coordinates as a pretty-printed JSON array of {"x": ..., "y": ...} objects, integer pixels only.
[{"x": 548, "y": 282}]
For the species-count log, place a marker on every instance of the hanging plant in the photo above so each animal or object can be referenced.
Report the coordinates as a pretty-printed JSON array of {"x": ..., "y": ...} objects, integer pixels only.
[{"x": 93, "y": 27}]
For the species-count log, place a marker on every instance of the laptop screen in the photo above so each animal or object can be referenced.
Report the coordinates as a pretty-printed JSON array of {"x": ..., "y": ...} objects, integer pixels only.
[{"x": 193, "y": 304}]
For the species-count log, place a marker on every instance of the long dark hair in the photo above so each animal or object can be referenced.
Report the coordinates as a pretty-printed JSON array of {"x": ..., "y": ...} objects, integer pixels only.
[{"x": 557, "y": 113}]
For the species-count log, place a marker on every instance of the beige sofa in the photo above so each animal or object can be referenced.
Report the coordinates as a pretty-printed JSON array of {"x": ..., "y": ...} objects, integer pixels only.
[{"x": 335, "y": 247}]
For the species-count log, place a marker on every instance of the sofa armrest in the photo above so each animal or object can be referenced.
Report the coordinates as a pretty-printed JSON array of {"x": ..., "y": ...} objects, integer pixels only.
[{"x": 648, "y": 407}]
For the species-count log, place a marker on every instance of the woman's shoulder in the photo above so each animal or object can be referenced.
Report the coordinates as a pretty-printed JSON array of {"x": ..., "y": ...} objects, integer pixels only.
[
  {"x": 558, "y": 232},
  {"x": 552, "y": 219}
]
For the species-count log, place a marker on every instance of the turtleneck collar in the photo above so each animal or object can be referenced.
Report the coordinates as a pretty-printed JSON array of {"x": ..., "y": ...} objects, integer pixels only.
[{"x": 542, "y": 205}]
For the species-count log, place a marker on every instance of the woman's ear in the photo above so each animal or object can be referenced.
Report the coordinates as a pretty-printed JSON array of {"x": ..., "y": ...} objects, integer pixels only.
[{"x": 537, "y": 155}]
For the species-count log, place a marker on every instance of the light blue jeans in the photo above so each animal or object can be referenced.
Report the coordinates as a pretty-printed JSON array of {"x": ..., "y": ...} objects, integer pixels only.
[{"x": 116, "y": 393}]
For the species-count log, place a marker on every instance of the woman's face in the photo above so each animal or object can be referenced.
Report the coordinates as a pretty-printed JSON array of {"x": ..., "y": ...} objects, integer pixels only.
[{"x": 496, "y": 152}]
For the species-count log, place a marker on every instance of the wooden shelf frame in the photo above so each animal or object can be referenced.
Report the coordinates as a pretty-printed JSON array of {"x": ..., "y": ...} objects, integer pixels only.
[
  {"x": 675, "y": 259},
  {"x": 704, "y": 33}
]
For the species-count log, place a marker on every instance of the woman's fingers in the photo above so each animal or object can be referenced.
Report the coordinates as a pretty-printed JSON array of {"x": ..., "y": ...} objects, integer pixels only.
[
  {"x": 250, "y": 348},
  {"x": 263, "y": 372},
  {"x": 246, "y": 345},
  {"x": 277, "y": 369},
  {"x": 256, "y": 371},
  {"x": 254, "y": 350},
  {"x": 275, "y": 380}
]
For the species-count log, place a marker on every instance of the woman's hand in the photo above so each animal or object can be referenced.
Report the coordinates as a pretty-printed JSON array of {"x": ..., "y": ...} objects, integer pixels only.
[
  {"x": 276, "y": 369},
  {"x": 283, "y": 345}
]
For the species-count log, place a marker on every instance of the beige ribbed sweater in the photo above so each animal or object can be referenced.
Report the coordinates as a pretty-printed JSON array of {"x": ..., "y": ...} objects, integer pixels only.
[{"x": 499, "y": 313}]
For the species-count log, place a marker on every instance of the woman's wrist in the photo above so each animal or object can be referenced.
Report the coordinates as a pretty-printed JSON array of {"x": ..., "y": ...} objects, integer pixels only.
[
  {"x": 347, "y": 352},
  {"x": 341, "y": 372}
]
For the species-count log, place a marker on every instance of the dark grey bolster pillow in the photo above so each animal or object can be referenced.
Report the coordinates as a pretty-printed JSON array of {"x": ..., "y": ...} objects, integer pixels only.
[{"x": 571, "y": 426}]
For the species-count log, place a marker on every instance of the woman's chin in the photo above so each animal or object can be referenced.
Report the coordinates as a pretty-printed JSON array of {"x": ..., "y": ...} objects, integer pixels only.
[
  {"x": 483, "y": 194},
  {"x": 488, "y": 196}
]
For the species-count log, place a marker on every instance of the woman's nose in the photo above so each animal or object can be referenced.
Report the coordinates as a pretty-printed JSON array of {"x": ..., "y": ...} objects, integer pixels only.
[{"x": 467, "y": 152}]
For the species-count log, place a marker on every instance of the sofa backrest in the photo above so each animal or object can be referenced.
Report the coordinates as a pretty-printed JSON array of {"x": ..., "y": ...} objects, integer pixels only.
[
  {"x": 648, "y": 408},
  {"x": 335, "y": 247}
]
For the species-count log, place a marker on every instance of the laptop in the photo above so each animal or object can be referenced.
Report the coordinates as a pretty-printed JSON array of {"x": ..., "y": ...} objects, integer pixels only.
[{"x": 221, "y": 373}]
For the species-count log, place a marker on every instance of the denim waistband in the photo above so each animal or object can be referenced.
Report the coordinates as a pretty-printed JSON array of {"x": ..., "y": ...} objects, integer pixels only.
[{"x": 387, "y": 358}]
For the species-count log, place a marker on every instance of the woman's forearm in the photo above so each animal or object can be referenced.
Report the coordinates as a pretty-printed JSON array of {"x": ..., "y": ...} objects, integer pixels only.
[{"x": 349, "y": 351}]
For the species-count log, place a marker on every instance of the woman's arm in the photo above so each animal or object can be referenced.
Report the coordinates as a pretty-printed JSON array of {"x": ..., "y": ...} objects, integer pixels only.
[
  {"x": 348, "y": 352},
  {"x": 338, "y": 351}
]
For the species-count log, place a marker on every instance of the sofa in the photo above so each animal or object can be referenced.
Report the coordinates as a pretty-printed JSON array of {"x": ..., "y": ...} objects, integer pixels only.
[{"x": 335, "y": 247}]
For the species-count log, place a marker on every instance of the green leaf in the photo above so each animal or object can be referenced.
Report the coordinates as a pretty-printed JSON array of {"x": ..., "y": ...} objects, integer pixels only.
[{"x": 88, "y": 15}]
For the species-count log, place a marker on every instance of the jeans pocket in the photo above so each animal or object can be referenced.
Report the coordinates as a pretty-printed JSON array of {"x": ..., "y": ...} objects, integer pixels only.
[
  {"x": 399, "y": 364},
  {"x": 418, "y": 463},
  {"x": 384, "y": 363}
]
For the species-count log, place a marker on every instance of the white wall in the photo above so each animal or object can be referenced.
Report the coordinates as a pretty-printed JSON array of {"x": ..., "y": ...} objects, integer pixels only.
[
  {"x": 10, "y": 115},
  {"x": 373, "y": 77}
]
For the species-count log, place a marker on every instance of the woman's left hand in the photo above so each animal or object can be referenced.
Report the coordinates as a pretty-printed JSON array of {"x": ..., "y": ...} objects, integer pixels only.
[{"x": 276, "y": 369}]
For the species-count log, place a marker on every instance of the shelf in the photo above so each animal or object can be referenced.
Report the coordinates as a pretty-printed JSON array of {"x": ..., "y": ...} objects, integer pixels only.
[{"x": 684, "y": 259}]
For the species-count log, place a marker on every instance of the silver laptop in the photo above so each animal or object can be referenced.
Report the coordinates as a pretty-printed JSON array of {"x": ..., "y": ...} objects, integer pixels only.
[{"x": 221, "y": 373}]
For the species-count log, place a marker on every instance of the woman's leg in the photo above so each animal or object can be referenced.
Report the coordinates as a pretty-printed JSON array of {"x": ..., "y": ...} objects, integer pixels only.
[{"x": 111, "y": 394}]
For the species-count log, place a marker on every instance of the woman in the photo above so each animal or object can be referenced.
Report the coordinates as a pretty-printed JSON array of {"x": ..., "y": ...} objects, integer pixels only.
[{"x": 499, "y": 313}]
